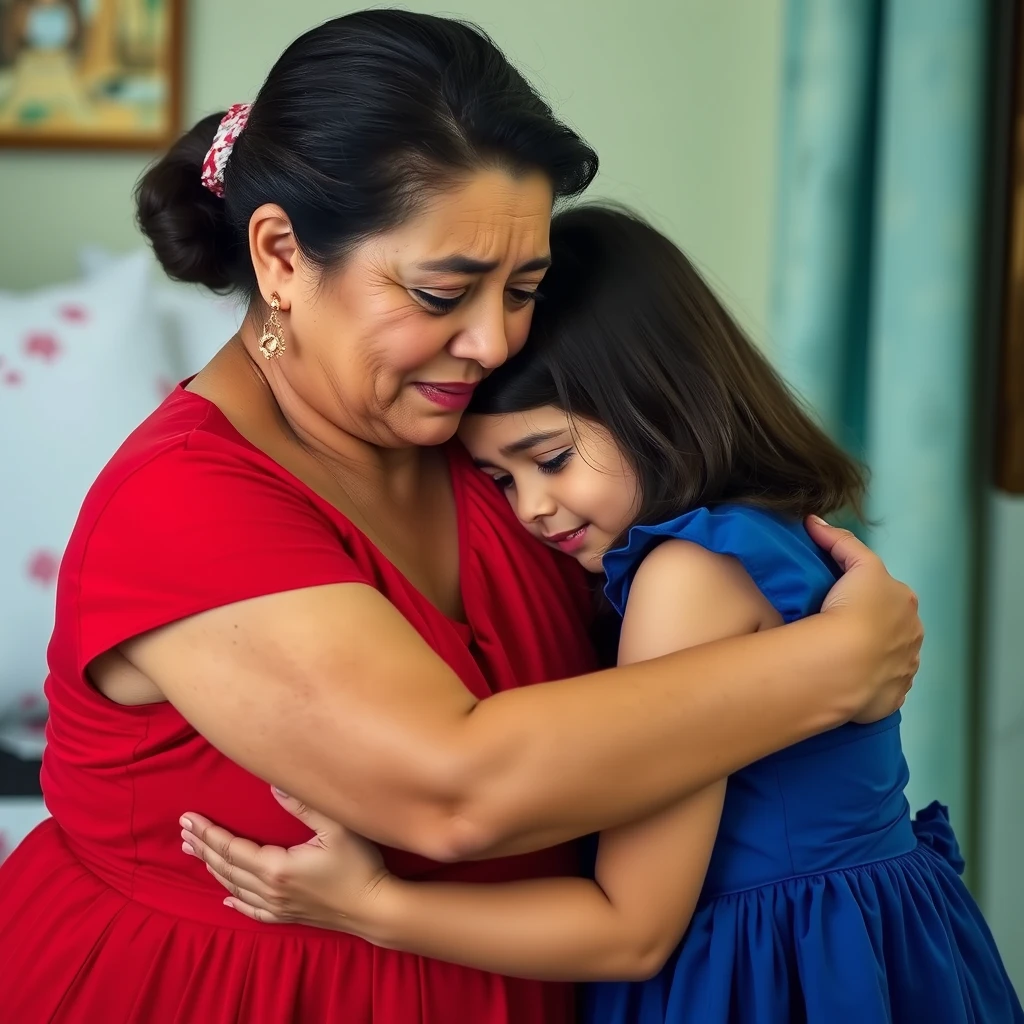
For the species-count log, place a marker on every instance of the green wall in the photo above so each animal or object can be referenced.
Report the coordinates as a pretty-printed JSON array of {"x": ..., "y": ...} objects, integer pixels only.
[{"x": 678, "y": 97}]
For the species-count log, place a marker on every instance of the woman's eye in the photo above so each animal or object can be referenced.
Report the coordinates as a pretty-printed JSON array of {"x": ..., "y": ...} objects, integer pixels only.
[
  {"x": 503, "y": 483},
  {"x": 437, "y": 303},
  {"x": 521, "y": 297},
  {"x": 557, "y": 464}
]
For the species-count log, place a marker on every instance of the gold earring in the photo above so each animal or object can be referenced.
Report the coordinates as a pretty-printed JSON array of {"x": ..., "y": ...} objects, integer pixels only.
[{"x": 272, "y": 339}]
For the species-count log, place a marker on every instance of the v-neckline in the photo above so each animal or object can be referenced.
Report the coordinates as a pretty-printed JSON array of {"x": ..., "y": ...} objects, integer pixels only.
[{"x": 452, "y": 456}]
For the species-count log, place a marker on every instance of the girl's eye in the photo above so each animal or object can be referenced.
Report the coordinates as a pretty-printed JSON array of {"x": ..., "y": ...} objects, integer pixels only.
[
  {"x": 437, "y": 303},
  {"x": 557, "y": 464},
  {"x": 520, "y": 297},
  {"x": 503, "y": 483}
]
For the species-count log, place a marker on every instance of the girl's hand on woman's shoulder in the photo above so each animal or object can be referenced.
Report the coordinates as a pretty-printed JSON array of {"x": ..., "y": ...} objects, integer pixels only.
[{"x": 881, "y": 625}]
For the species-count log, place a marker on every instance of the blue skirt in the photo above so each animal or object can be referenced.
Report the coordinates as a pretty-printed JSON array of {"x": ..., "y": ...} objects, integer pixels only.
[{"x": 898, "y": 941}]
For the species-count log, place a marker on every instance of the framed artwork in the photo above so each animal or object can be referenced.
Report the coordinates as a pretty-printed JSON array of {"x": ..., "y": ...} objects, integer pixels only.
[{"x": 103, "y": 74}]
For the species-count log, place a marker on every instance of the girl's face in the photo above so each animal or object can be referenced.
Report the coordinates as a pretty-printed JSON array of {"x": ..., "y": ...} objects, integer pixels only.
[{"x": 566, "y": 480}]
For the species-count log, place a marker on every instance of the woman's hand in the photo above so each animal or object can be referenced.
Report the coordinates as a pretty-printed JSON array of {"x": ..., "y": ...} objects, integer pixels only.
[
  {"x": 883, "y": 614},
  {"x": 333, "y": 881}
]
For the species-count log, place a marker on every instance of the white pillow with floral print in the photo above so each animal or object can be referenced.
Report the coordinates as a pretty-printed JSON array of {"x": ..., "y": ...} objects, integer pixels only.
[
  {"x": 81, "y": 365},
  {"x": 194, "y": 322}
]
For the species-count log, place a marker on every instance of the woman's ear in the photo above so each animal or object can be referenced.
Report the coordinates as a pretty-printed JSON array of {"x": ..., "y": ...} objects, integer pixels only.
[{"x": 274, "y": 252}]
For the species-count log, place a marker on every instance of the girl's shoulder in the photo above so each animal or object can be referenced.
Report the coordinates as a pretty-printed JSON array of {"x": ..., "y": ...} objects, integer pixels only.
[{"x": 791, "y": 572}]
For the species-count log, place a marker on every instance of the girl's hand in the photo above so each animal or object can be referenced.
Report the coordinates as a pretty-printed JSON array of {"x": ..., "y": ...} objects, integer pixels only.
[
  {"x": 333, "y": 881},
  {"x": 882, "y": 615}
]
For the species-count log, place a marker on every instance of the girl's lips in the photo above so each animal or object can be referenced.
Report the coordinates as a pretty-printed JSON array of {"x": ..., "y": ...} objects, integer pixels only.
[{"x": 570, "y": 541}]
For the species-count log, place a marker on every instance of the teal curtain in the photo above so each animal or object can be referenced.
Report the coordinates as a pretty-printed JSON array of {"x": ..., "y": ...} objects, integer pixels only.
[{"x": 873, "y": 305}]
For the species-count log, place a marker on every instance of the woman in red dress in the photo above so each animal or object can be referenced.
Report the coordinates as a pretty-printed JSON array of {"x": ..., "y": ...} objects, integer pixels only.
[{"x": 291, "y": 574}]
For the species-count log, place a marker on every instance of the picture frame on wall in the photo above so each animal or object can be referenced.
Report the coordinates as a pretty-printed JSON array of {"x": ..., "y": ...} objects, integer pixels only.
[{"x": 90, "y": 74}]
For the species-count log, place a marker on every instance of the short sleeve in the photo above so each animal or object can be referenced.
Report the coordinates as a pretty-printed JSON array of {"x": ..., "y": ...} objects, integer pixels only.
[
  {"x": 196, "y": 528},
  {"x": 778, "y": 554}
]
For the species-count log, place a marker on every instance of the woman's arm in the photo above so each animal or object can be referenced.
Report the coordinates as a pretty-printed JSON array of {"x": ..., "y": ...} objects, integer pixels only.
[
  {"x": 627, "y": 922},
  {"x": 649, "y": 875},
  {"x": 349, "y": 710}
]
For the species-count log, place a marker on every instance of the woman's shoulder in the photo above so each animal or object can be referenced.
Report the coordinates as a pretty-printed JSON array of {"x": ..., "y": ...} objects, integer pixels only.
[
  {"x": 186, "y": 429},
  {"x": 774, "y": 550},
  {"x": 187, "y": 517},
  {"x": 187, "y": 463}
]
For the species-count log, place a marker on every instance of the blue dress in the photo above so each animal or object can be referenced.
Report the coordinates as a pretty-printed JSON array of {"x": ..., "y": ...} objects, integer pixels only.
[{"x": 824, "y": 902}]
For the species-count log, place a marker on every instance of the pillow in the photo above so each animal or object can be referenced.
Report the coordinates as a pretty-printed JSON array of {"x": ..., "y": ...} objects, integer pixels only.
[
  {"x": 194, "y": 322},
  {"x": 80, "y": 366}
]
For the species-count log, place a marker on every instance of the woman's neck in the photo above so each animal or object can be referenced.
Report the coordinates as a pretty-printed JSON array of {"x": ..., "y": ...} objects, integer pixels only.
[{"x": 261, "y": 405}]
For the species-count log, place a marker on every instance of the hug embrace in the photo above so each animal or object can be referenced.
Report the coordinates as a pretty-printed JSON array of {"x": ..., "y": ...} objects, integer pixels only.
[{"x": 367, "y": 557}]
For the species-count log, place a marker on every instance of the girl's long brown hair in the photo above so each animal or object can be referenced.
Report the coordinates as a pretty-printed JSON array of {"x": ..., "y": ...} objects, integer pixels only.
[{"x": 628, "y": 334}]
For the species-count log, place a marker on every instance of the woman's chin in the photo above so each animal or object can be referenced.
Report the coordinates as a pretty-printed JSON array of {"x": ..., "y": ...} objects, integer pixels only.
[{"x": 428, "y": 433}]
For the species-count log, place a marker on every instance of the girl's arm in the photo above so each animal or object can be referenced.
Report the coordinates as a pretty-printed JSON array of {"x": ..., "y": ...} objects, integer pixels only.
[
  {"x": 649, "y": 874},
  {"x": 622, "y": 926}
]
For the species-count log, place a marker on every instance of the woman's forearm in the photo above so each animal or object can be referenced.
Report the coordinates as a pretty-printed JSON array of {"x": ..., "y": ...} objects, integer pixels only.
[
  {"x": 353, "y": 714},
  {"x": 547, "y": 763}
]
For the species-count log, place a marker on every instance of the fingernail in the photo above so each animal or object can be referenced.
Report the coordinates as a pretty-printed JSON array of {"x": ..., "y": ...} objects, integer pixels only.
[
  {"x": 820, "y": 521},
  {"x": 185, "y": 848},
  {"x": 281, "y": 793},
  {"x": 228, "y": 903},
  {"x": 185, "y": 823}
]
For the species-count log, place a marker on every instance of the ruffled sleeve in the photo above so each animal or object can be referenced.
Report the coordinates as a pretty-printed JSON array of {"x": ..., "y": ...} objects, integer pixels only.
[{"x": 789, "y": 569}]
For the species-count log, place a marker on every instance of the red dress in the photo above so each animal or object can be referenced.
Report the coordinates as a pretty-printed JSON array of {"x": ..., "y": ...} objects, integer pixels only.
[{"x": 102, "y": 918}]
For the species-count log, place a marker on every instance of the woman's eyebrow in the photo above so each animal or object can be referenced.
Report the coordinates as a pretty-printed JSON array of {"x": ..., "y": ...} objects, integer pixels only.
[{"x": 468, "y": 265}]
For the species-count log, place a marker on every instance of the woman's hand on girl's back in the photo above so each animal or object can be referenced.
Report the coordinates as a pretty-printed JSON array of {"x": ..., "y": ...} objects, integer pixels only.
[{"x": 881, "y": 616}]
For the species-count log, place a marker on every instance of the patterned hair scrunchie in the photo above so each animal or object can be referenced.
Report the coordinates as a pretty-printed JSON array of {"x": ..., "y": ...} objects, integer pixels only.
[{"x": 231, "y": 126}]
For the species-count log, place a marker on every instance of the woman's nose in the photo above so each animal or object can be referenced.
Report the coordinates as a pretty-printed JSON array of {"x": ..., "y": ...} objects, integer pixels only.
[{"x": 484, "y": 337}]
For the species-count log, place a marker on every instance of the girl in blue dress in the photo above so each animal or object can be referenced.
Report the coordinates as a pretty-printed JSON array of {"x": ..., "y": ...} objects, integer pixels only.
[{"x": 641, "y": 433}]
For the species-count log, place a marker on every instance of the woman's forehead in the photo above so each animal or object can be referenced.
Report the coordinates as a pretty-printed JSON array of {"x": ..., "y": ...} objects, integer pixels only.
[{"x": 492, "y": 218}]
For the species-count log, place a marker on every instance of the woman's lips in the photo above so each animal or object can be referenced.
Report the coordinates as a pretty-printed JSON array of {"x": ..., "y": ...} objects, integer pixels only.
[{"x": 449, "y": 395}]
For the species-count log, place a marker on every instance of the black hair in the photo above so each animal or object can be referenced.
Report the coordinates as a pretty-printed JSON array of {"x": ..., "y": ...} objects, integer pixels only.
[
  {"x": 358, "y": 123},
  {"x": 630, "y": 336}
]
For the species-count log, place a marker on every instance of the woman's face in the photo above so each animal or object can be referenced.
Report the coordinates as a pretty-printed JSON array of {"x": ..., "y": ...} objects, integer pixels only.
[
  {"x": 565, "y": 479},
  {"x": 390, "y": 347}
]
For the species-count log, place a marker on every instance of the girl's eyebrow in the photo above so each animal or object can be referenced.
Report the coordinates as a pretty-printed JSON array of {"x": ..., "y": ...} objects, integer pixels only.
[{"x": 531, "y": 441}]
